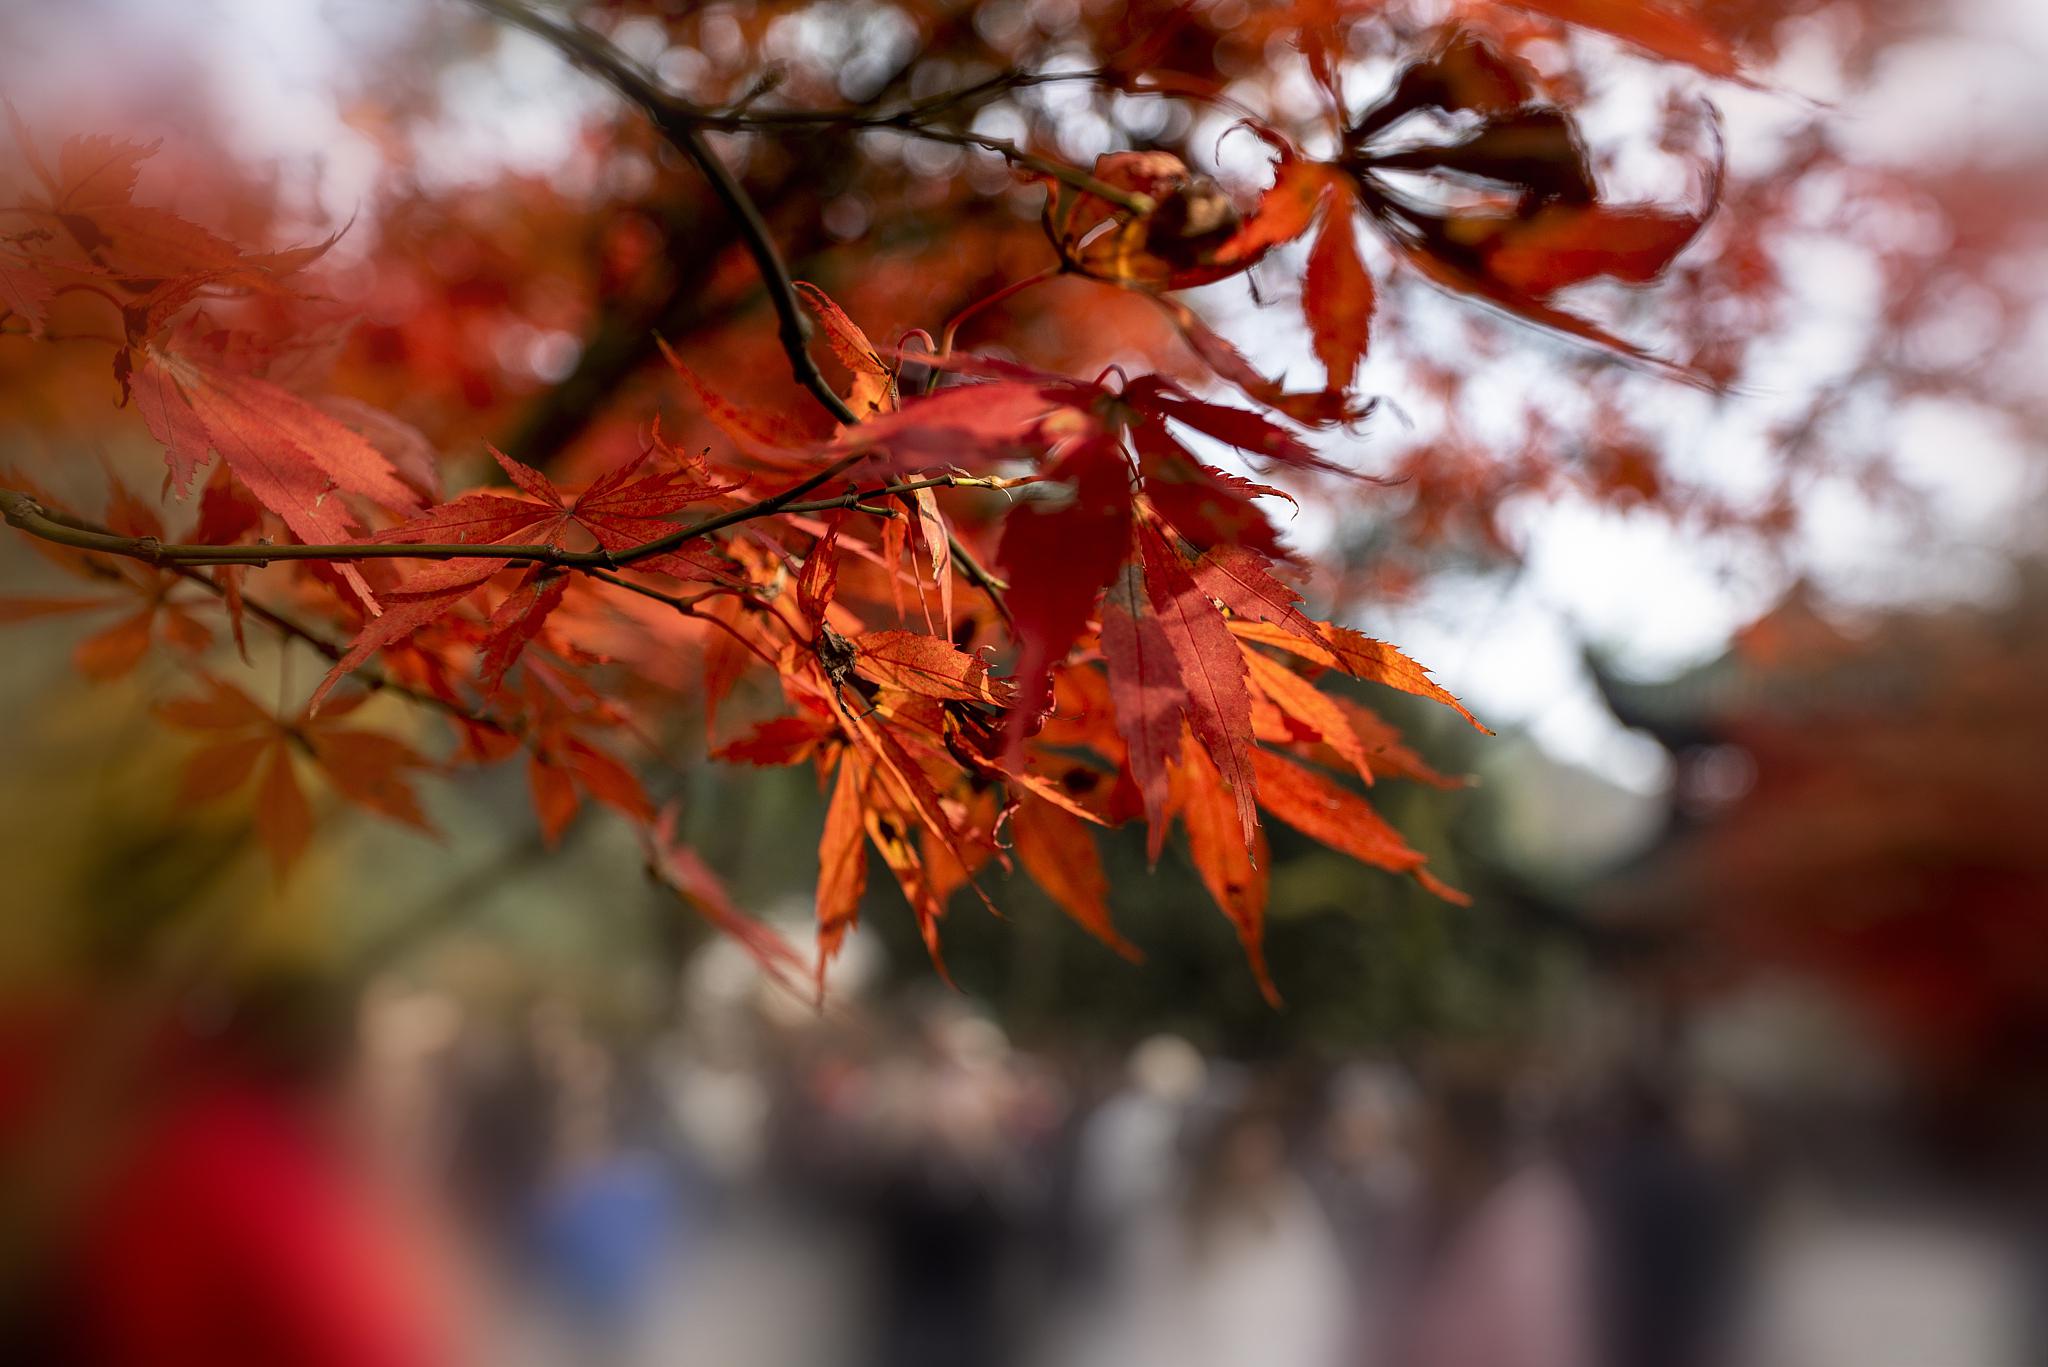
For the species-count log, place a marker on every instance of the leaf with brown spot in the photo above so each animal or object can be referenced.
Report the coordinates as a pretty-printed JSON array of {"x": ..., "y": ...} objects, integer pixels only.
[{"x": 930, "y": 667}]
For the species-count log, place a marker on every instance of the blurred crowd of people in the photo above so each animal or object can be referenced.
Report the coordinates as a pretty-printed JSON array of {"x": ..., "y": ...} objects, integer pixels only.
[
  {"x": 904, "y": 1188},
  {"x": 531, "y": 1181}
]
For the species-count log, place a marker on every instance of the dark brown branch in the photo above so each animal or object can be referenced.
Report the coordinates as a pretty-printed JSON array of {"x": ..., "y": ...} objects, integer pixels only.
[
  {"x": 683, "y": 126},
  {"x": 793, "y": 325},
  {"x": 669, "y": 112},
  {"x": 66, "y": 530},
  {"x": 374, "y": 680},
  {"x": 911, "y": 116},
  {"x": 25, "y": 514},
  {"x": 979, "y": 576},
  {"x": 622, "y": 342}
]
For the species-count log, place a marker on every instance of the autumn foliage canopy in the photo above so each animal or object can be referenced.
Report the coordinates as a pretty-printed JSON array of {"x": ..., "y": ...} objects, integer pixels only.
[{"x": 1005, "y": 602}]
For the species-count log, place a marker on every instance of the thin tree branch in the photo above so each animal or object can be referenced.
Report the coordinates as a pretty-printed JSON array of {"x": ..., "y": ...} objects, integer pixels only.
[
  {"x": 76, "y": 532},
  {"x": 683, "y": 126},
  {"x": 910, "y": 116},
  {"x": 978, "y": 575},
  {"x": 374, "y": 680},
  {"x": 616, "y": 349},
  {"x": 25, "y": 514},
  {"x": 688, "y": 608},
  {"x": 793, "y": 325},
  {"x": 1014, "y": 288},
  {"x": 670, "y": 112}
]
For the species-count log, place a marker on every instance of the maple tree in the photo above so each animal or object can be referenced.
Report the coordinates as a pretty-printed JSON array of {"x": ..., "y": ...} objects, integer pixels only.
[
  {"x": 1007, "y": 599},
  {"x": 1873, "y": 831}
]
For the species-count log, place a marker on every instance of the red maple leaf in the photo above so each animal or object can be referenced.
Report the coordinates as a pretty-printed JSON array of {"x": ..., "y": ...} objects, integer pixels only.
[{"x": 366, "y": 768}]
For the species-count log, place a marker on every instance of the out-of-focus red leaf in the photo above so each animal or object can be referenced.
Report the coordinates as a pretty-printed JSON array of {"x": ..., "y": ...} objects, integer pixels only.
[
  {"x": 25, "y": 294},
  {"x": 111, "y": 653},
  {"x": 284, "y": 819},
  {"x": 28, "y": 609},
  {"x": 564, "y": 769},
  {"x": 777, "y": 741},
  {"x": 1565, "y": 244},
  {"x": 725, "y": 655},
  {"x": 516, "y": 621},
  {"x": 762, "y": 435},
  {"x": 369, "y": 769},
  {"x": 1665, "y": 29},
  {"x": 1465, "y": 73},
  {"x": 685, "y": 871},
  {"x": 1311, "y": 408},
  {"x": 1337, "y": 296}
]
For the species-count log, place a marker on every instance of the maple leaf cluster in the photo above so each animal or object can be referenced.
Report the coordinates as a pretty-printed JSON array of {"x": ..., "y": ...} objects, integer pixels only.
[{"x": 1003, "y": 606}]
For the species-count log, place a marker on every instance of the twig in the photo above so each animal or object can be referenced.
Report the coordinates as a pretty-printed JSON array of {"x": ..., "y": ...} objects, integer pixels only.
[
  {"x": 671, "y": 113},
  {"x": 25, "y": 514},
  {"x": 66, "y": 530},
  {"x": 683, "y": 125},
  {"x": 1129, "y": 201},
  {"x": 911, "y": 115},
  {"x": 1014, "y": 288},
  {"x": 374, "y": 680},
  {"x": 978, "y": 575},
  {"x": 622, "y": 341}
]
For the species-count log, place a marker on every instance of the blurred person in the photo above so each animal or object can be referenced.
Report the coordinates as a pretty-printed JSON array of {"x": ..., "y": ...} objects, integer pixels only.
[
  {"x": 1661, "y": 1176},
  {"x": 1513, "y": 1289},
  {"x": 499, "y": 1143},
  {"x": 187, "y": 1199},
  {"x": 717, "y": 1103},
  {"x": 399, "y": 1083},
  {"x": 1616, "y": 1245},
  {"x": 1368, "y": 1181},
  {"x": 1242, "y": 1269},
  {"x": 949, "y": 1195},
  {"x": 1127, "y": 1163},
  {"x": 604, "y": 1224}
]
